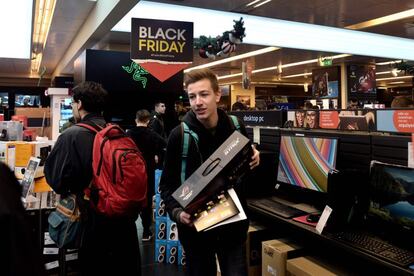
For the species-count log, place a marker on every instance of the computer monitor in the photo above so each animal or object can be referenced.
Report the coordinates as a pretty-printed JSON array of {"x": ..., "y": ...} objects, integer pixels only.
[
  {"x": 4, "y": 99},
  {"x": 23, "y": 100},
  {"x": 391, "y": 192},
  {"x": 306, "y": 162}
]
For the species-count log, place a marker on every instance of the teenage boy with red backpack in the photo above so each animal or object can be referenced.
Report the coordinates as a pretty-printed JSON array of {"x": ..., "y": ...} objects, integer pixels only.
[
  {"x": 81, "y": 164},
  {"x": 212, "y": 126}
]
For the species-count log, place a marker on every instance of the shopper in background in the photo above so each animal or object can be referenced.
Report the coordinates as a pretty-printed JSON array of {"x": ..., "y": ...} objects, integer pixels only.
[
  {"x": 238, "y": 106},
  {"x": 151, "y": 144},
  {"x": 307, "y": 105},
  {"x": 157, "y": 122},
  {"x": 109, "y": 245},
  {"x": 180, "y": 110},
  {"x": 213, "y": 127},
  {"x": 353, "y": 104},
  {"x": 18, "y": 253},
  {"x": 402, "y": 101}
]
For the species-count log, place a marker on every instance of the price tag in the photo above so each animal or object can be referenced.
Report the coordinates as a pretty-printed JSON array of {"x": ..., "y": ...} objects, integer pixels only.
[{"x": 323, "y": 219}]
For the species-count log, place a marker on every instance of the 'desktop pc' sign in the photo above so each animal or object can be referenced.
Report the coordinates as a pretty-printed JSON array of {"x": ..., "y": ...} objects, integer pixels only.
[{"x": 161, "y": 47}]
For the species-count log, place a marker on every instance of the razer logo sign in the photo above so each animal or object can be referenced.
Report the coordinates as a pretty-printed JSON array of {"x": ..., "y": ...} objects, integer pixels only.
[{"x": 137, "y": 72}]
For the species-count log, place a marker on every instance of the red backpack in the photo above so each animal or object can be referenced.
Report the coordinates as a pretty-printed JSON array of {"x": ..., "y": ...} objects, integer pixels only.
[{"x": 119, "y": 183}]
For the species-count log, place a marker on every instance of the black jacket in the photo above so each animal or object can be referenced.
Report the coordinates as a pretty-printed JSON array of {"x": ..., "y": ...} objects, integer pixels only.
[
  {"x": 157, "y": 124},
  {"x": 69, "y": 166},
  {"x": 171, "y": 176},
  {"x": 19, "y": 252},
  {"x": 150, "y": 144}
]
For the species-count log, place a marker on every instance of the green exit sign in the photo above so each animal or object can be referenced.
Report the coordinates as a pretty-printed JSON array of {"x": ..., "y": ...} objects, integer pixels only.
[{"x": 326, "y": 62}]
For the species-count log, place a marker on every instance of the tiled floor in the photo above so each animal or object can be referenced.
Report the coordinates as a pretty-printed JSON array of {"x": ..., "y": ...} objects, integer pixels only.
[{"x": 149, "y": 267}]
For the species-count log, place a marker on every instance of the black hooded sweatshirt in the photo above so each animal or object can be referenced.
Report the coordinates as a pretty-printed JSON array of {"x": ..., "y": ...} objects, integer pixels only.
[{"x": 171, "y": 176}]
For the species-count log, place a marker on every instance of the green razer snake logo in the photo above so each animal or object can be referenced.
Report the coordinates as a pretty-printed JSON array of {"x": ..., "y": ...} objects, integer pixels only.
[{"x": 137, "y": 72}]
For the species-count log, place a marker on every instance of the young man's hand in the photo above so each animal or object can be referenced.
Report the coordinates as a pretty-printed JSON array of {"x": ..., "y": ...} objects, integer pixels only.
[
  {"x": 255, "y": 158},
  {"x": 185, "y": 218}
]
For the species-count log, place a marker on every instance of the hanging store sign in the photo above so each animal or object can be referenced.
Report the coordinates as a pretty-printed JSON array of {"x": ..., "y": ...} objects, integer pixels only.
[{"x": 163, "y": 48}]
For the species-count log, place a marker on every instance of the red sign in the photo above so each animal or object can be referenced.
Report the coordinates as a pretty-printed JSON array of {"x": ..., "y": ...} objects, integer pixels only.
[
  {"x": 328, "y": 119},
  {"x": 404, "y": 120}
]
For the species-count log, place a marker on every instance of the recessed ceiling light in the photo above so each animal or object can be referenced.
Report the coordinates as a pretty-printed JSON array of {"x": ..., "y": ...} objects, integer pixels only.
[
  {"x": 395, "y": 78},
  {"x": 233, "y": 58},
  {"x": 382, "y": 20}
]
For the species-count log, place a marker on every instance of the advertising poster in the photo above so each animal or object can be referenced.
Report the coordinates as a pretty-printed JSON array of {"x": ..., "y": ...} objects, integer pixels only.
[
  {"x": 325, "y": 82},
  {"x": 311, "y": 118},
  {"x": 161, "y": 47},
  {"x": 329, "y": 119},
  {"x": 395, "y": 120},
  {"x": 361, "y": 79},
  {"x": 362, "y": 120}
]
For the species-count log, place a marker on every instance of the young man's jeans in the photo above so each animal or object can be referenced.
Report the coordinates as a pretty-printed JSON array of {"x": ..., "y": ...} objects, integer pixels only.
[{"x": 201, "y": 258}]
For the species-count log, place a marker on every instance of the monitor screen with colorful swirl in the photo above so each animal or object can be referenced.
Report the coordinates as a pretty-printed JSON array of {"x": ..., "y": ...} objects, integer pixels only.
[{"x": 306, "y": 161}]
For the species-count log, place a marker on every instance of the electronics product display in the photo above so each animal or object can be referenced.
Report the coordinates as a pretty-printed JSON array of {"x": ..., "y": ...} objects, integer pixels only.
[
  {"x": 392, "y": 194},
  {"x": 306, "y": 161}
]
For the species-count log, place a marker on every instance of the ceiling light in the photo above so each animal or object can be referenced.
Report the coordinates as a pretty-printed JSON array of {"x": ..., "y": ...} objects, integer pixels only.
[
  {"x": 258, "y": 5},
  {"x": 382, "y": 20},
  {"x": 16, "y": 27},
  {"x": 388, "y": 62},
  {"x": 389, "y": 72},
  {"x": 289, "y": 65},
  {"x": 252, "y": 3},
  {"x": 264, "y": 69},
  {"x": 229, "y": 76},
  {"x": 283, "y": 33},
  {"x": 43, "y": 18},
  {"x": 396, "y": 82},
  {"x": 383, "y": 73},
  {"x": 395, "y": 78},
  {"x": 277, "y": 82},
  {"x": 242, "y": 56},
  {"x": 297, "y": 75}
]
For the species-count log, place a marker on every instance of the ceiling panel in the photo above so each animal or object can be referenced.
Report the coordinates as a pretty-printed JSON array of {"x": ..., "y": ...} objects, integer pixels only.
[{"x": 70, "y": 15}]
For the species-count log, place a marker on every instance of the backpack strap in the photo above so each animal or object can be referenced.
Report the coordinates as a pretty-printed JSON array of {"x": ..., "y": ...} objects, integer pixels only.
[
  {"x": 187, "y": 132},
  {"x": 92, "y": 127},
  {"x": 235, "y": 122}
]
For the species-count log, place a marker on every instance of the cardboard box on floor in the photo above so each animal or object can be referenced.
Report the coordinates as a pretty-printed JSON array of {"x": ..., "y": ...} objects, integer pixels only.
[
  {"x": 309, "y": 266},
  {"x": 255, "y": 235},
  {"x": 274, "y": 256}
]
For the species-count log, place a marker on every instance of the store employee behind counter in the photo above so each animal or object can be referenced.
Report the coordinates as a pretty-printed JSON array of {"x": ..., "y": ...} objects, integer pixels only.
[{"x": 213, "y": 127}]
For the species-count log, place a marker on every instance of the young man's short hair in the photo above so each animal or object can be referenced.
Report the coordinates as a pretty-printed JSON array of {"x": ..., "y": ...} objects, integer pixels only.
[
  {"x": 200, "y": 74},
  {"x": 157, "y": 104},
  {"x": 143, "y": 115},
  {"x": 92, "y": 95}
]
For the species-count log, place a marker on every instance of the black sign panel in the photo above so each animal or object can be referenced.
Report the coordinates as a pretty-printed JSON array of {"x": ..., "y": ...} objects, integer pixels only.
[
  {"x": 161, "y": 40},
  {"x": 261, "y": 118}
]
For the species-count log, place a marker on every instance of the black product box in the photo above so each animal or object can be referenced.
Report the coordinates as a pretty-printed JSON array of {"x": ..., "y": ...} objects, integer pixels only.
[{"x": 229, "y": 162}]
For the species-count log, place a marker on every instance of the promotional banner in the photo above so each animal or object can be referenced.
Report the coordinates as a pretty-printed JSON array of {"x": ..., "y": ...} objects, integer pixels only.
[
  {"x": 347, "y": 119},
  {"x": 329, "y": 119},
  {"x": 163, "y": 48},
  {"x": 304, "y": 118},
  {"x": 395, "y": 120}
]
